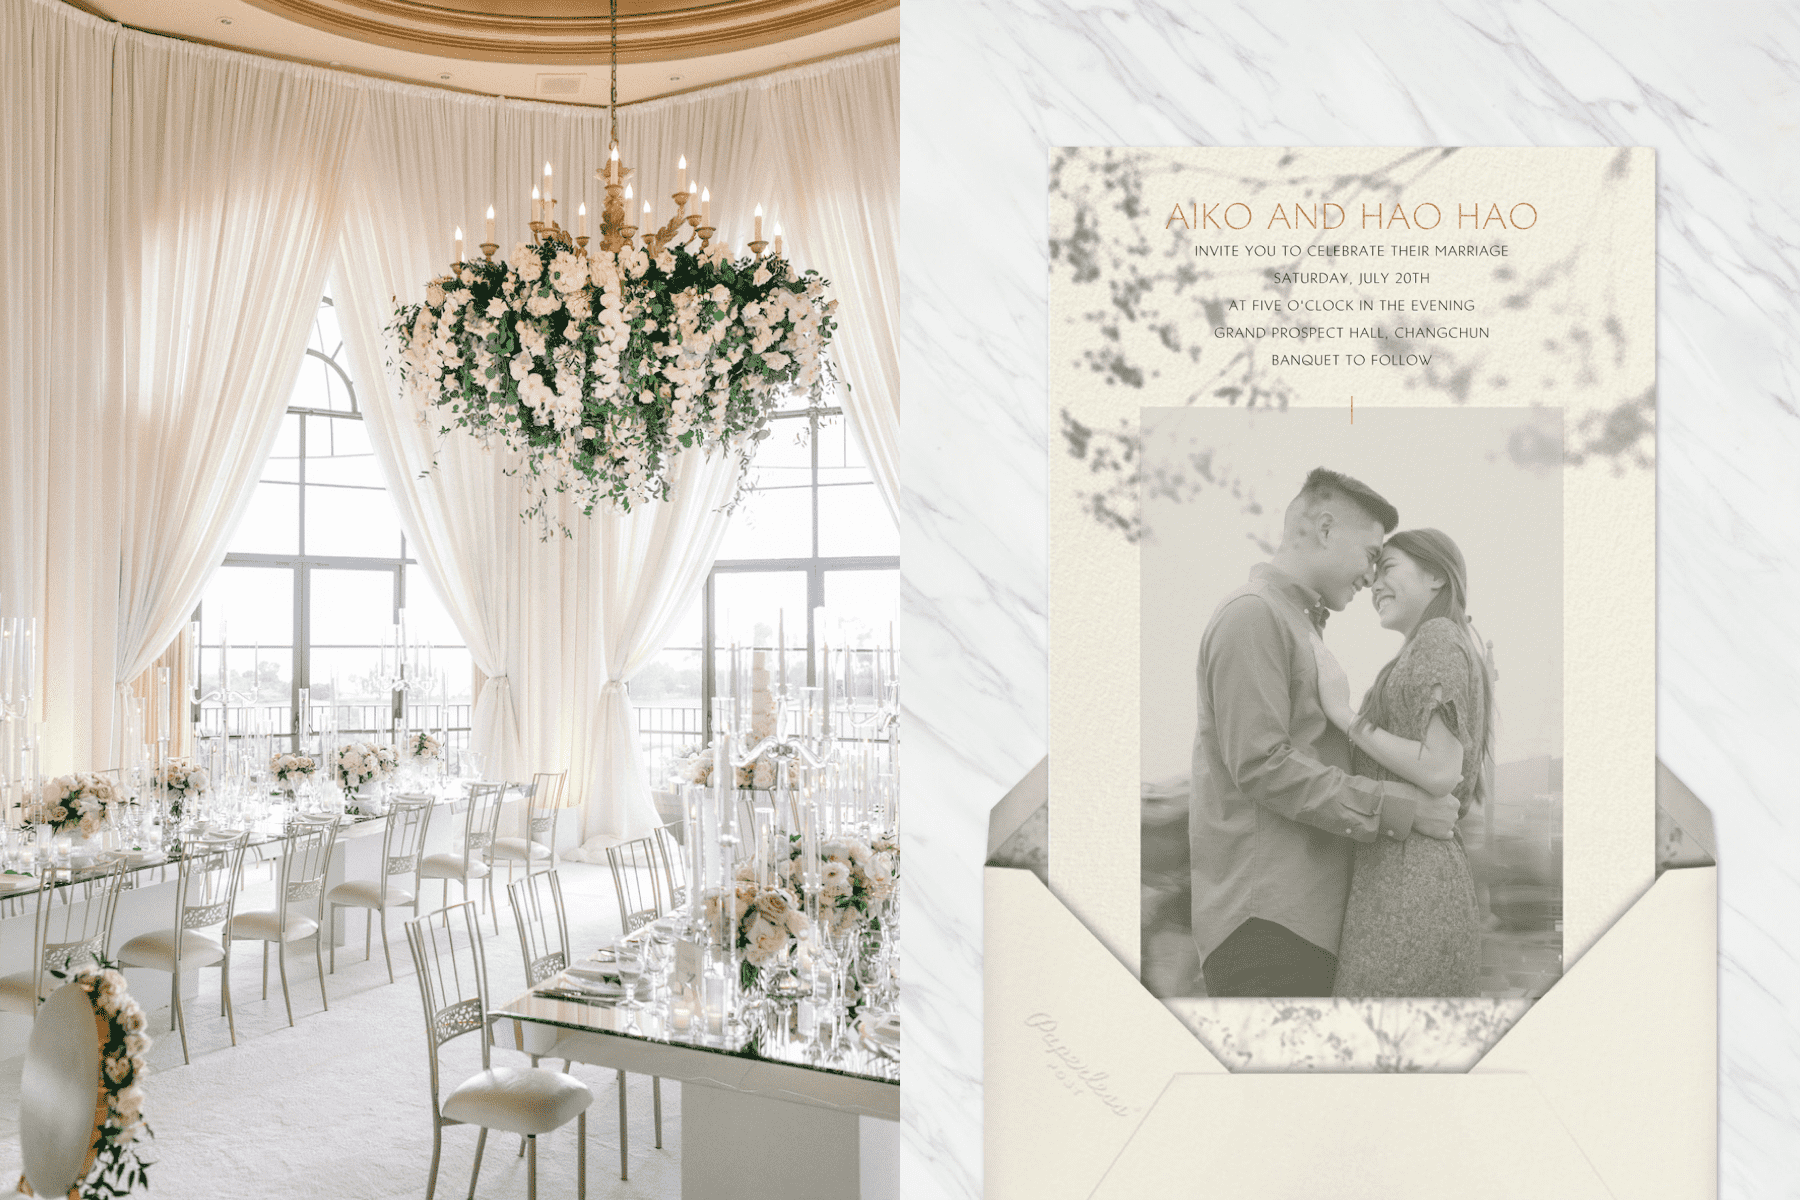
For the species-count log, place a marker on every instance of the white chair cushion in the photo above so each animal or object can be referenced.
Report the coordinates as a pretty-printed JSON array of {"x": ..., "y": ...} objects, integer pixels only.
[
  {"x": 366, "y": 893},
  {"x": 450, "y": 866},
  {"x": 516, "y": 849},
  {"x": 157, "y": 950},
  {"x": 518, "y": 1099},
  {"x": 265, "y": 926},
  {"x": 16, "y": 992}
]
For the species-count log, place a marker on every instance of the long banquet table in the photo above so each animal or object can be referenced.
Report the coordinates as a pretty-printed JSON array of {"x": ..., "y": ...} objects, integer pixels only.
[
  {"x": 771, "y": 1121},
  {"x": 146, "y": 903}
]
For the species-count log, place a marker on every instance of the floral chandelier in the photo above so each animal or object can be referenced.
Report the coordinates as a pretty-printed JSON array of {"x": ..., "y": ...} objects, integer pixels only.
[{"x": 600, "y": 365}]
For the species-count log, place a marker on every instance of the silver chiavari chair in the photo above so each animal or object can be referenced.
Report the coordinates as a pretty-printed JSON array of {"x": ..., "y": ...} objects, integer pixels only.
[
  {"x": 481, "y": 824},
  {"x": 529, "y": 1101},
  {"x": 206, "y": 890},
  {"x": 75, "y": 909},
  {"x": 300, "y": 884},
  {"x": 535, "y": 851},
  {"x": 402, "y": 848},
  {"x": 537, "y": 906}
]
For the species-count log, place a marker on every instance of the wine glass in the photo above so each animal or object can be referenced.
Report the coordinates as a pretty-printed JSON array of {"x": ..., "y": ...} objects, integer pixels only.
[{"x": 628, "y": 960}]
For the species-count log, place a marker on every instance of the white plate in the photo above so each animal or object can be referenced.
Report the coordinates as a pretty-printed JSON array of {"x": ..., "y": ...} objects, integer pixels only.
[{"x": 592, "y": 975}]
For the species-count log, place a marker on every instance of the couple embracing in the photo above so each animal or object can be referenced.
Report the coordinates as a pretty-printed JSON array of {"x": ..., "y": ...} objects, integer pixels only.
[{"x": 1323, "y": 837}]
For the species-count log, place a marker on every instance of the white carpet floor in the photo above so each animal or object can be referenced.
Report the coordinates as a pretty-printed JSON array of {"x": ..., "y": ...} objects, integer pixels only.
[{"x": 339, "y": 1105}]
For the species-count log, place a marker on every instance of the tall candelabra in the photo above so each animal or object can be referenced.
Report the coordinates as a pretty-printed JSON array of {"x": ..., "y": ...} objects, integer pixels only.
[{"x": 19, "y": 737}]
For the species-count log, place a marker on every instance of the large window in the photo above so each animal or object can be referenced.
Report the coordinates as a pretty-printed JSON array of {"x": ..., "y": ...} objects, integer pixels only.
[
  {"x": 316, "y": 580},
  {"x": 812, "y": 532}
]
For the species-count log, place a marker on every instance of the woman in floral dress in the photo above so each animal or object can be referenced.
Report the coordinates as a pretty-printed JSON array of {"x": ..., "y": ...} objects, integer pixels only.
[{"x": 1411, "y": 926}]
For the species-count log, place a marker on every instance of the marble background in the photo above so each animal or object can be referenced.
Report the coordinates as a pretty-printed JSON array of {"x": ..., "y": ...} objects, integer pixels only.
[{"x": 987, "y": 87}]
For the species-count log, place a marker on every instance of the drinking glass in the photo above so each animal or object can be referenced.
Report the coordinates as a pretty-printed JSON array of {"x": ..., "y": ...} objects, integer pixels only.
[{"x": 628, "y": 960}]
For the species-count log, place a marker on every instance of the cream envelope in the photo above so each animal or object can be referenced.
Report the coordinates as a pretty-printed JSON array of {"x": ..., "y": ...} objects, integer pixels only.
[{"x": 1605, "y": 1089}]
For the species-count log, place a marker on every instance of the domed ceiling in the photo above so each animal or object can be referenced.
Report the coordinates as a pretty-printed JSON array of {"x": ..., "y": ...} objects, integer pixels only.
[
  {"x": 572, "y": 30},
  {"x": 543, "y": 49}
]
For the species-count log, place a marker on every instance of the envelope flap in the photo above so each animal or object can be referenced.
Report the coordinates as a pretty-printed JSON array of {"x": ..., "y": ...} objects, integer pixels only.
[
  {"x": 1623, "y": 1047},
  {"x": 1076, "y": 1050},
  {"x": 1350, "y": 1137}
]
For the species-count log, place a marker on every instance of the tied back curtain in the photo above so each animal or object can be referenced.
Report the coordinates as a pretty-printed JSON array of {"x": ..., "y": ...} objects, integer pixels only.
[
  {"x": 168, "y": 209},
  {"x": 556, "y": 626}
]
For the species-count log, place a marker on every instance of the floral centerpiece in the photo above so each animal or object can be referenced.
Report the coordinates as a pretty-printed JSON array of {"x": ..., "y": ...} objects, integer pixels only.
[
  {"x": 364, "y": 762},
  {"x": 598, "y": 368},
  {"x": 291, "y": 769},
  {"x": 855, "y": 878},
  {"x": 766, "y": 920},
  {"x": 424, "y": 746},
  {"x": 70, "y": 802},
  {"x": 181, "y": 780},
  {"x": 697, "y": 768},
  {"x": 117, "y": 1169}
]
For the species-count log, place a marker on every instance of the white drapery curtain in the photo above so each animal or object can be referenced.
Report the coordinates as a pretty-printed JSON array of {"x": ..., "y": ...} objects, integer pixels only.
[
  {"x": 57, "y": 486},
  {"x": 225, "y": 184},
  {"x": 229, "y": 169},
  {"x": 837, "y": 132},
  {"x": 170, "y": 208},
  {"x": 557, "y": 626}
]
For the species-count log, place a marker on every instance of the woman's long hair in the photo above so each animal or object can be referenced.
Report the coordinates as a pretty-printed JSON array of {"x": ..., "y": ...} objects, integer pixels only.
[{"x": 1438, "y": 556}]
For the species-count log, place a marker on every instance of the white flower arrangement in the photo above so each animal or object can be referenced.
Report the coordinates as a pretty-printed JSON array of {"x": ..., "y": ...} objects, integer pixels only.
[
  {"x": 183, "y": 778},
  {"x": 697, "y": 768},
  {"x": 117, "y": 1170},
  {"x": 364, "y": 762},
  {"x": 77, "y": 801},
  {"x": 423, "y": 745},
  {"x": 854, "y": 877},
  {"x": 598, "y": 369},
  {"x": 291, "y": 768},
  {"x": 765, "y": 921}
]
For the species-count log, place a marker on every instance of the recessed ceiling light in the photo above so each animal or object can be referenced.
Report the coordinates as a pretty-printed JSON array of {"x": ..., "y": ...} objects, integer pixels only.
[
  {"x": 674, "y": 79},
  {"x": 224, "y": 20},
  {"x": 445, "y": 75}
]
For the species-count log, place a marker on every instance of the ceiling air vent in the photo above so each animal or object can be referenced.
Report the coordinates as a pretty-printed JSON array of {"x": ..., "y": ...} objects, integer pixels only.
[{"x": 560, "y": 85}]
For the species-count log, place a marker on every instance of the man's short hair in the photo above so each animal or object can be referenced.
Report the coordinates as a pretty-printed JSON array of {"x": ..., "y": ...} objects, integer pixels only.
[{"x": 1323, "y": 484}]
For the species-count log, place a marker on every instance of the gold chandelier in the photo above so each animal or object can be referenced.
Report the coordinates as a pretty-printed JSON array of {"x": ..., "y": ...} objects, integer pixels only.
[{"x": 617, "y": 232}]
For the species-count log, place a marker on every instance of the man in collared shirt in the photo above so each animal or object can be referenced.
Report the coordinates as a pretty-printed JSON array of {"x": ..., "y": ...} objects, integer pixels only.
[{"x": 1274, "y": 809}]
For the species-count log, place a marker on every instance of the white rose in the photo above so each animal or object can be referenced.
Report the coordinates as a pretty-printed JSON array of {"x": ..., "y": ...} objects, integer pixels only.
[
  {"x": 496, "y": 307},
  {"x": 129, "y": 1104},
  {"x": 835, "y": 877}
]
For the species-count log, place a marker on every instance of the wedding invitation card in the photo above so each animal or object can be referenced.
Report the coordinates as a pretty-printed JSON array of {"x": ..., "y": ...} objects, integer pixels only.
[{"x": 1346, "y": 873}]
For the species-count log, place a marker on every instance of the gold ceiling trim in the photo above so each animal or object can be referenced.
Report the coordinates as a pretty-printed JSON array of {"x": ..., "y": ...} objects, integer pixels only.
[{"x": 541, "y": 37}]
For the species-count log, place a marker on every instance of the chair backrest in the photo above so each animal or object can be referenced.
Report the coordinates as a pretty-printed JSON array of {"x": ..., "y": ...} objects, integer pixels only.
[
  {"x": 481, "y": 824},
  {"x": 207, "y": 886},
  {"x": 545, "y": 801},
  {"x": 305, "y": 861},
  {"x": 403, "y": 843},
  {"x": 447, "y": 958},
  {"x": 674, "y": 858},
  {"x": 636, "y": 880},
  {"x": 537, "y": 906},
  {"x": 75, "y": 916}
]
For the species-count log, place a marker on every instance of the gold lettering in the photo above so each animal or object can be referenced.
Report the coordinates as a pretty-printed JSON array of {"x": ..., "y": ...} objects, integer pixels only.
[
  {"x": 1399, "y": 214},
  {"x": 1473, "y": 214},
  {"x": 1279, "y": 215},
  {"x": 1366, "y": 214},
  {"x": 1493, "y": 215},
  {"x": 1247, "y": 214},
  {"x": 1326, "y": 215},
  {"x": 1437, "y": 215},
  {"x": 1180, "y": 214},
  {"x": 1514, "y": 214},
  {"x": 1206, "y": 217}
]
